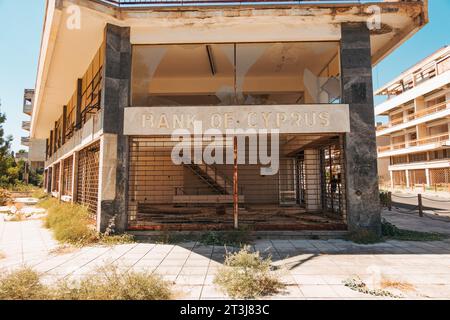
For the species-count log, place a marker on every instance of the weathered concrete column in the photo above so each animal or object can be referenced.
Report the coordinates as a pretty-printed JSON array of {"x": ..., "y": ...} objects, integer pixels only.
[
  {"x": 363, "y": 207},
  {"x": 114, "y": 145},
  {"x": 60, "y": 179},
  {"x": 312, "y": 180},
  {"x": 74, "y": 190}
]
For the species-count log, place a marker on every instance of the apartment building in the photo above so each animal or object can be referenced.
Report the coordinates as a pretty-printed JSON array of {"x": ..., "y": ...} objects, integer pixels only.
[
  {"x": 415, "y": 141},
  {"x": 36, "y": 155},
  {"x": 292, "y": 81}
]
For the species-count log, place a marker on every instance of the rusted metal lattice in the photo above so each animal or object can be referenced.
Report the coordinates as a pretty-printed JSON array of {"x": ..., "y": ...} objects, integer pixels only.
[
  {"x": 440, "y": 177},
  {"x": 307, "y": 192},
  {"x": 55, "y": 177},
  {"x": 88, "y": 171},
  {"x": 417, "y": 177},
  {"x": 399, "y": 178},
  {"x": 67, "y": 176}
]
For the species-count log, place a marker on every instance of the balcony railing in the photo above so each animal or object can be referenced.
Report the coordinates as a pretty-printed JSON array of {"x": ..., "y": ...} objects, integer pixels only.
[
  {"x": 416, "y": 115},
  {"x": 150, "y": 3},
  {"x": 26, "y": 125},
  {"x": 28, "y": 100},
  {"x": 415, "y": 143},
  {"x": 25, "y": 141}
]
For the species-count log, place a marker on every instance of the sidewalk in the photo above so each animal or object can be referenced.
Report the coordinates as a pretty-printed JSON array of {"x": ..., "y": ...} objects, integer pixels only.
[{"x": 312, "y": 269}]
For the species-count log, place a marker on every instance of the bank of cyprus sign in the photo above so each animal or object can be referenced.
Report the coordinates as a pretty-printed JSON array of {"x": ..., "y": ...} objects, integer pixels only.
[{"x": 330, "y": 118}]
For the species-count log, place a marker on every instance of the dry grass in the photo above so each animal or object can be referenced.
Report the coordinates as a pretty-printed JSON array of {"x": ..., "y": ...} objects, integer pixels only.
[
  {"x": 63, "y": 249},
  {"x": 108, "y": 283},
  {"x": 72, "y": 224},
  {"x": 396, "y": 284},
  {"x": 23, "y": 284},
  {"x": 17, "y": 217},
  {"x": 247, "y": 275}
]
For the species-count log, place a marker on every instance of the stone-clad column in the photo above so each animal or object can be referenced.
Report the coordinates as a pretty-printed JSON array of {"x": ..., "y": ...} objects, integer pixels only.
[
  {"x": 363, "y": 207},
  {"x": 113, "y": 175}
]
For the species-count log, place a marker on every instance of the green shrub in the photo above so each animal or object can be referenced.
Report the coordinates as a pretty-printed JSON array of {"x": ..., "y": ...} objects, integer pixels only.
[
  {"x": 363, "y": 237},
  {"x": 22, "y": 284},
  {"x": 247, "y": 275},
  {"x": 109, "y": 283},
  {"x": 391, "y": 231},
  {"x": 384, "y": 199},
  {"x": 235, "y": 238}
]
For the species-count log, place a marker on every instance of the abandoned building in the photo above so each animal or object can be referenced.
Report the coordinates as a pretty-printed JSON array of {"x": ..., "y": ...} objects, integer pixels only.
[
  {"x": 279, "y": 94},
  {"x": 414, "y": 142}
]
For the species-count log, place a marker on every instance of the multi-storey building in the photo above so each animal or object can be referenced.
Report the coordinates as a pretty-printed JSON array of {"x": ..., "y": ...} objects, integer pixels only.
[
  {"x": 118, "y": 80},
  {"x": 415, "y": 140},
  {"x": 36, "y": 156}
]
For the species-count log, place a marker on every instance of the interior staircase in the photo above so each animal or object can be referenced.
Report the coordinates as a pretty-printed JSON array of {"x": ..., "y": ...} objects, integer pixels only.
[{"x": 211, "y": 176}]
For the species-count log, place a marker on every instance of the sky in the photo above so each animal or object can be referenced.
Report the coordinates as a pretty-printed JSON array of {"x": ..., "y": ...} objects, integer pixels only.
[{"x": 21, "y": 28}]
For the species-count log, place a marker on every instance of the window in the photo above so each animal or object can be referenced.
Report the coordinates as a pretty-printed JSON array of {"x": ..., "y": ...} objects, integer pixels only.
[{"x": 230, "y": 74}]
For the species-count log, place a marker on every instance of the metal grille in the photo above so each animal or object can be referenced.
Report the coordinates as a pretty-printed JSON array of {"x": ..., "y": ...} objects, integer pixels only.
[
  {"x": 333, "y": 177},
  {"x": 55, "y": 178},
  {"x": 308, "y": 186},
  {"x": 440, "y": 177},
  {"x": 417, "y": 177},
  {"x": 67, "y": 176},
  {"x": 88, "y": 172},
  {"x": 399, "y": 178}
]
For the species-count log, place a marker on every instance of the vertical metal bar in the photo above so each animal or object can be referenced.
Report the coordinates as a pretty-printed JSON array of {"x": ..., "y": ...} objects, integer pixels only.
[
  {"x": 78, "y": 105},
  {"x": 419, "y": 199},
  {"x": 235, "y": 185},
  {"x": 64, "y": 125}
]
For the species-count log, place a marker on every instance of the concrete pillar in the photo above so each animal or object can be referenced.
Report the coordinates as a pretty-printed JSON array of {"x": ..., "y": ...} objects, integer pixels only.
[
  {"x": 408, "y": 184},
  {"x": 60, "y": 178},
  {"x": 74, "y": 176},
  {"x": 313, "y": 198},
  {"x": 115, "y": 97},
  {"x": 391, "y": 175},
  {"x": 427, "y": 175},
  {"x": 363, "y": 207}
]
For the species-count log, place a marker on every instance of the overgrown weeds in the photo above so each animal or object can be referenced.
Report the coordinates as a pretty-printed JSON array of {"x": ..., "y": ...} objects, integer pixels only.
[
  {"x": 5, "y": 197},
  {"x": 247, "y": 275},
  {"x": 108, "y": 283},
  {"x": 73, "y": 224},
  {"x": 234, "y": 238},
  {"x": 392, "y": 232},
  {"x": 23, "y": 284},
  {"x": 356, "y": 284}
]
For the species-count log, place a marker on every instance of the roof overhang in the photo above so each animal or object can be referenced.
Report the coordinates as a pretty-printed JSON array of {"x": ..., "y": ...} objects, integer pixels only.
[{"x": 66, "y": 52}]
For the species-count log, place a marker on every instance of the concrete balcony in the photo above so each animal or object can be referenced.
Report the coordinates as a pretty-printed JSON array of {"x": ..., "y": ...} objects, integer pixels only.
[
  {"x": 420, "y": 145},
  {"x": 26, "y": 125},
  {"x": 28, "y": 101},
  {"x": 25, "y": 141},
  {"x": 438, "y": 111}
]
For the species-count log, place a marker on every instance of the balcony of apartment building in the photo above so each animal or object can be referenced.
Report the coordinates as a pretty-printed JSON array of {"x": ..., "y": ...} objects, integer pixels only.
[
  {"x": 425, "y": 109},
  {"x": 25, "y": 141},
  {"x": 26, "y": 125},
  {"x": 429, "y": 75},
  {"x": 79, "y": 121},
  {"x": 28, "y": 101},
  {"x": 422, "y": 138}
]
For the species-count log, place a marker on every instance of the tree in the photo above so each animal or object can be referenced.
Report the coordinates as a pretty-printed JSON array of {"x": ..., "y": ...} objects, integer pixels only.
[{"x": 9, "y": 173}]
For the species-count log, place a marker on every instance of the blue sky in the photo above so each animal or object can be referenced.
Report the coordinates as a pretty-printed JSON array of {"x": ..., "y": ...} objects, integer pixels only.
[{"x": 21, "y": 25}]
